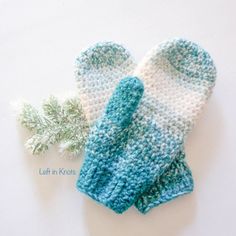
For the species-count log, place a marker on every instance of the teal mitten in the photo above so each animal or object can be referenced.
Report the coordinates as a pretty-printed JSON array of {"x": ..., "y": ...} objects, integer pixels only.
[{"x": 126, "y": 150}]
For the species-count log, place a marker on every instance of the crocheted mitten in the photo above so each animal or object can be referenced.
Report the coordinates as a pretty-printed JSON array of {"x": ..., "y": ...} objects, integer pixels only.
[
  {"x": 126, "y": 150},
  {"x": 178, "y": 77}
]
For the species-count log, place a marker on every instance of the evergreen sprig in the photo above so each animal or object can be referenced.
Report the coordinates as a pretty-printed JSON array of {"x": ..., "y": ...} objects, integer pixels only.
[{"x": 62, "y": 123}]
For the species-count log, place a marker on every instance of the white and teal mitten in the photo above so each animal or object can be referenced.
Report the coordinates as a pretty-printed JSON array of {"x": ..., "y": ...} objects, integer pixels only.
[
  {"x": 126, "y": 151},
  {"x": 178, "y": 77},
  {"x": 134, "y": 143}
]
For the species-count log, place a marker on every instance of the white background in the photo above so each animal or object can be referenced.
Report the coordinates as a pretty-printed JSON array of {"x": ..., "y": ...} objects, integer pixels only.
[{"x": 39, "y": 41}]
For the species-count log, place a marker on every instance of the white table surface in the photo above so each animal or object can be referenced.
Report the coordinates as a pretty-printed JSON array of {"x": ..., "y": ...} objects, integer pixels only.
[{"x": 39, "y": 41}]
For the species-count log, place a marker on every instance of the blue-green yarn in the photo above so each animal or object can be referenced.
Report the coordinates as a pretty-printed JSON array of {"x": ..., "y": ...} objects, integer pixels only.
[{"x": 125, "y": 154}]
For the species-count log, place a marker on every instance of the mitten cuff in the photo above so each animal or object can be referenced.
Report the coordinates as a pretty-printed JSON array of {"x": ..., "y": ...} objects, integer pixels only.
[
  {"x": 175, "y": 182},
  {"x": 108, "y": 189}
]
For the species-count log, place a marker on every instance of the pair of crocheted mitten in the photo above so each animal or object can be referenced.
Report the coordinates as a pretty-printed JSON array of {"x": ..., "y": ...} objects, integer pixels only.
[{"x": 134, "y": 153}]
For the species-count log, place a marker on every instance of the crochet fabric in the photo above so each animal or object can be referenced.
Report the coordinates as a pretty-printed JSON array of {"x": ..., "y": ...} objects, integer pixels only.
[{"x": 125, "y": 154}]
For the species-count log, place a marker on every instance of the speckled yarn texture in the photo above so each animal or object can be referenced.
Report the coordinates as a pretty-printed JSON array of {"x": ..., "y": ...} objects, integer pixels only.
[{"x": 144, "y": 154}]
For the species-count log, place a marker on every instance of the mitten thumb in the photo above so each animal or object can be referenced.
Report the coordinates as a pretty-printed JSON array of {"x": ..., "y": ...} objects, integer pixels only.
[{"x": 124, "y": 101}]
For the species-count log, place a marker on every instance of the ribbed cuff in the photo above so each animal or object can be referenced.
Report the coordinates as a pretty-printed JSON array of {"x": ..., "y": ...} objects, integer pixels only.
[
  {"x": 175, "y": 182},
  {"x": 111, "y": 191}
]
